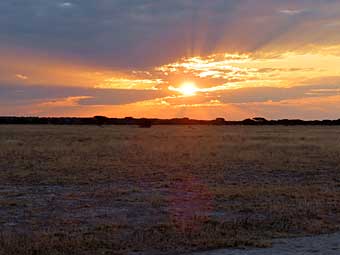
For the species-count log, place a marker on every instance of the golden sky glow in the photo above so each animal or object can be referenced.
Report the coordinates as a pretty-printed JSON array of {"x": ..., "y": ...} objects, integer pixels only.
[{"x": 181, "y": 96}]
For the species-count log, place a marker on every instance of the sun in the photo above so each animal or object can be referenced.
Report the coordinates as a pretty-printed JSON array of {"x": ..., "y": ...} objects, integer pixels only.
[{"x": 188, "y": 89}]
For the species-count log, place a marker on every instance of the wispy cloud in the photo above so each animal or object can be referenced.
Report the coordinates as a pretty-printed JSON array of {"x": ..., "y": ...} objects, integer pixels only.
[
  {"x": 19, "y": 95},
  {"x": 291, "y": 12},
  {"x": 21, "y": 76},
  {"x": 66, "y": 5}
]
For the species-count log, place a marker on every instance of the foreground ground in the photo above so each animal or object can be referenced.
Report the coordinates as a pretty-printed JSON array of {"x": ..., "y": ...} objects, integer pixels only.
[
  {"x": 126, "y": 190},
  {"x": 313, "y": 245}
]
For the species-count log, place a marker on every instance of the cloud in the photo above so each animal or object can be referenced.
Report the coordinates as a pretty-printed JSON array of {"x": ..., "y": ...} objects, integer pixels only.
[
  {"x": 270, "y": 94},
  {"x": 140, "y": 33},
  {"x": 121, "y": 97},
  {"x": 66, "y": 5},
  {"x": 29, "y": 95},
  {"x": 312, "y": 108},
  {"x": 226, "y": 71},
  {"x": 16, "y": 95},
  {"x": 256, "y": 95},
  {"x": 291, "y": 12},
  {"x": 307, "y": 102},
  {"x": 21, "y": 76}
]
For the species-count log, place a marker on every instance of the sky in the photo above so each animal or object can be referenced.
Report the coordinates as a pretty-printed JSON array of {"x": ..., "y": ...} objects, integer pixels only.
[{"x": 201, "y": 59}]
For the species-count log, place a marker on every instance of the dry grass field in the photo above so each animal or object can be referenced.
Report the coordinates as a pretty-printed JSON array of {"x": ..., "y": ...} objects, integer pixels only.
[{"x": 164, "y": 190}]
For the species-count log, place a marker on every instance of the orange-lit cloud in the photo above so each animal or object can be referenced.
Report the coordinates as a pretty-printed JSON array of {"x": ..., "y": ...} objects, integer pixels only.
[{"x": 255, "y": 70}]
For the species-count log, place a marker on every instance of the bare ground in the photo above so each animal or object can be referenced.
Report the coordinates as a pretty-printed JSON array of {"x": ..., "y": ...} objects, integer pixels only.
[
  {"x": 313, "y": 245},
  {"x": 164, "y": 190}
]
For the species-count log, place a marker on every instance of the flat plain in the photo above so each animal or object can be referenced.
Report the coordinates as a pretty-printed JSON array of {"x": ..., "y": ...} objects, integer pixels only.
[{"x": 166, "y": 189}]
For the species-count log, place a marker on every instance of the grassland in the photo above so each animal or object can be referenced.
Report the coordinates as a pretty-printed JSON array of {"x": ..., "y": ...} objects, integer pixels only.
[{"x": 164, "y": 190}]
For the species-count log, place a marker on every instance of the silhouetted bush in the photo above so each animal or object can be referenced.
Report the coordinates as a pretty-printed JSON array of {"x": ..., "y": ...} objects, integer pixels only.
[{"x": 145, "y": 123}]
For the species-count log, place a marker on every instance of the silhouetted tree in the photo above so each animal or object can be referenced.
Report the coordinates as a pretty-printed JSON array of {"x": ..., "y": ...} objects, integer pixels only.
[
  {"x": 219, "y": 121},
  {"x": 249, "y": 122},
  {"x": 260, "y": 120}
]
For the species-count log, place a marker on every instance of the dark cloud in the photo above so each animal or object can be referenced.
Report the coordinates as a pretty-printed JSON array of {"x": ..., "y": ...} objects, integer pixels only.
[
  {"x": 265, "y": 94},
  {"x": 117, "y": 32},
  {"x": 140, "y": 33},
  {"x": 27, "y": 95},
  {"x": 259, "y": 95}
]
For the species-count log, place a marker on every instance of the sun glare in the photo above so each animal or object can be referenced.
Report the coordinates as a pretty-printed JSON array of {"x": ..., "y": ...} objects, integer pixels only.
[{"x": 188, "y": 89}]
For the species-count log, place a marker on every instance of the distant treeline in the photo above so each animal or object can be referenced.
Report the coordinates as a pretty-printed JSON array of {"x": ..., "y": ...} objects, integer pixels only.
[{"x": 144, "y": 122}]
